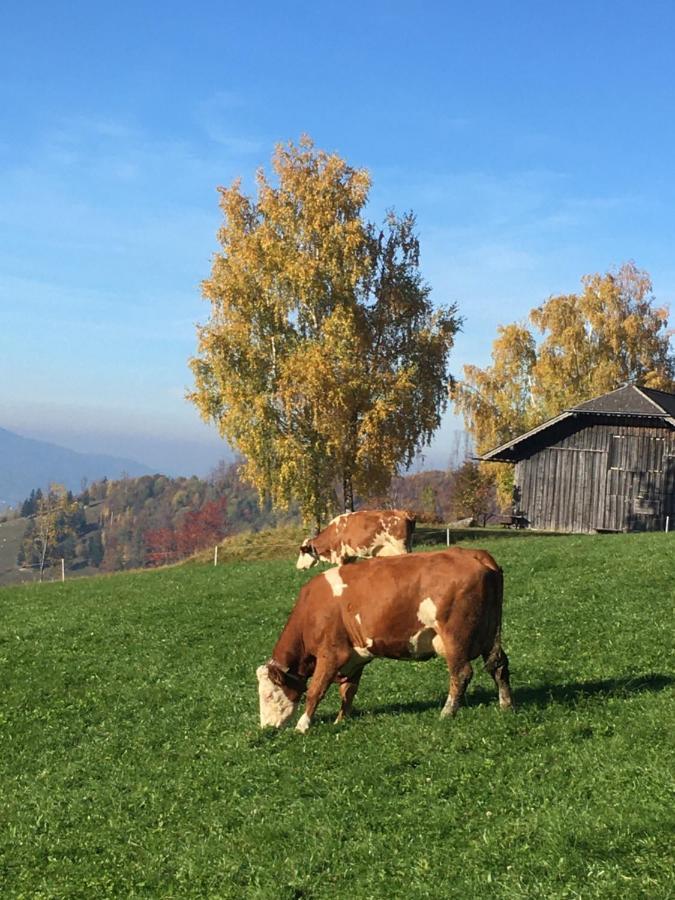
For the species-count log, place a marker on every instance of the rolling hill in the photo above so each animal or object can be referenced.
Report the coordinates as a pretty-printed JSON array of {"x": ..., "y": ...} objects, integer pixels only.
[{"x": 26, "y": 464}]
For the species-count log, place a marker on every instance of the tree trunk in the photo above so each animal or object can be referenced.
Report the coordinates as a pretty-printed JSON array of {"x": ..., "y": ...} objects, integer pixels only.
[
  {"x": 347, "y": 493},
  {"x": 42, "y": 559}
]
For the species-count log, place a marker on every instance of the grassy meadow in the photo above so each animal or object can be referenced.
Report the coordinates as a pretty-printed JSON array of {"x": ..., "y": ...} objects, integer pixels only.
[{"x": 132, "y": 763}]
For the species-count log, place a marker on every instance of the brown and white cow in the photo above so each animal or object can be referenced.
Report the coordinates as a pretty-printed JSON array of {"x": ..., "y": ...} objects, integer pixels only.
[
  {"x": 358, "y": 535},
  {"x": 447, "y": 603}
]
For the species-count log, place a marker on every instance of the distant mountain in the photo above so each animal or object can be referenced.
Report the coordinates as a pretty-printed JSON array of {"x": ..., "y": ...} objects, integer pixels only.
[{"x": 26, "y": 464}]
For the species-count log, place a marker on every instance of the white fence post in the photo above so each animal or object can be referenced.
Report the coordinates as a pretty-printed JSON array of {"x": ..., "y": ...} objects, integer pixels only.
[
  {"x": 215, "y": 555},
  {"x": 447, "y": 537},
  {"x": 63, "y": 570}
]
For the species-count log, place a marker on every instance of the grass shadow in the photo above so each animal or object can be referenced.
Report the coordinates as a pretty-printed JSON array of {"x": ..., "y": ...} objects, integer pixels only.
[{"x": 540, "y": 696}]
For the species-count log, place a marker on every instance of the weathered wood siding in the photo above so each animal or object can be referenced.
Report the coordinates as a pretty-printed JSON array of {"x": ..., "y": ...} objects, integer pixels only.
[{"x": 615, "y": 477}]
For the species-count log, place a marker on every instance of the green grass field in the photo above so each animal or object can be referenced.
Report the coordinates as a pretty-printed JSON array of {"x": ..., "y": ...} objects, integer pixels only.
[{"x": 132, "y": 764}]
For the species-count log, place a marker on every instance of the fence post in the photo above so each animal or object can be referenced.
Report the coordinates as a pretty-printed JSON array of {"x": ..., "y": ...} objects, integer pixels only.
[
  {"x": 447, "y": 537},
  {"x": 215, "y": 555},
  {"x": 667, "y": 523},
  {"x": 63, "y": 570}
]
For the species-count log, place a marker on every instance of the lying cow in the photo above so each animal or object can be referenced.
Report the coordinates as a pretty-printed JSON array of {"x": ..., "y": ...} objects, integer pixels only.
[
  {"x": 357, "y": 535},
  {"x": 447, "y": 603}
]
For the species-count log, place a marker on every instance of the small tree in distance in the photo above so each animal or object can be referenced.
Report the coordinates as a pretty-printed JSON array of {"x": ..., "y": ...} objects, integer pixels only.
[
  {"x": 54, "y": 524},
  {"x": 474, "y": 492}
]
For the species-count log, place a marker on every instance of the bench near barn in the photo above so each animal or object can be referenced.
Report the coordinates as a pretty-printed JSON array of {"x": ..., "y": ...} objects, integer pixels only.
[{"x": 510, "y": 520}]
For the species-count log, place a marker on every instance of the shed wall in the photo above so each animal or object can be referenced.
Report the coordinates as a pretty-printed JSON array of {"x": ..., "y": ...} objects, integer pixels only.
[{"x": 613, "y": 477}]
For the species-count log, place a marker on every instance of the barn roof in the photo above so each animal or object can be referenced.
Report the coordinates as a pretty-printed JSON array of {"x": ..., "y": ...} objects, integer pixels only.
[{"x": 628, "y": 401}]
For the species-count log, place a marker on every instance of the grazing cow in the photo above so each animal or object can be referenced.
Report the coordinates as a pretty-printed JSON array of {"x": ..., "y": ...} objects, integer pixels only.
[
  {"x": 447, "y": 603},
  {"x": 357, "y": 535}
]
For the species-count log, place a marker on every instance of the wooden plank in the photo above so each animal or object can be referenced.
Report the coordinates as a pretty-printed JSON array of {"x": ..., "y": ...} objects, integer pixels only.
[
  {"x": 548, "y": 493},
  {"x": 558, "y": 478}
]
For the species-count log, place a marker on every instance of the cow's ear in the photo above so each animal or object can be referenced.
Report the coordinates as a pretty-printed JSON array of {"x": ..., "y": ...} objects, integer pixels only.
[{"x": 275, "y": 673}]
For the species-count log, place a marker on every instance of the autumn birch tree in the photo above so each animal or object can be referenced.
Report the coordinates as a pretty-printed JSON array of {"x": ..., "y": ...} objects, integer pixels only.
[
  {"x": 53, "y": 522},
  {"x": 323, "y": 361}
]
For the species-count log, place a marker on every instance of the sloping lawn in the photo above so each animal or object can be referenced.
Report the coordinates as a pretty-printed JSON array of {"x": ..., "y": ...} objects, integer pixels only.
[{"x": 132, "y": 763}]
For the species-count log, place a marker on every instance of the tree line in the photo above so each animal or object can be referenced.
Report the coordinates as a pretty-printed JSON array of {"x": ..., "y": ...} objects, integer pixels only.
[
  {"x": 154, "y": 520},
  {"x": 136, "y": 522},
  {"x": 325, "y": 363}
]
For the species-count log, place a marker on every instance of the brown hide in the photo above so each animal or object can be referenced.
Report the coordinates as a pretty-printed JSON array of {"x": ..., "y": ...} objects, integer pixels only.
[
  {"x": 406, "y": 607},
  {"x": 362, "y": 534}
]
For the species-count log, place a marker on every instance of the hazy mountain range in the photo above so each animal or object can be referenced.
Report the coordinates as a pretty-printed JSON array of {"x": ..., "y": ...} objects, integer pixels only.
[{"x": 26, "y": 464}]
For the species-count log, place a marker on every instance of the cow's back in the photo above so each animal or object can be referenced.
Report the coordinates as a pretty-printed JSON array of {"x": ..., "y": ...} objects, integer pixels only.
[{"x": 385, "y": 601}]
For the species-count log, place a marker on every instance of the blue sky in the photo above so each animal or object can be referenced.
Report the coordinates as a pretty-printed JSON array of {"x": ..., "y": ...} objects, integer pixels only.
[{"x": 535, "y": 142}]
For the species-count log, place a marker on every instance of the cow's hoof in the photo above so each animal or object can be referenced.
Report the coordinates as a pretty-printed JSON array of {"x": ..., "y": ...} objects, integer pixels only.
[{"x": 303, "y": 724}]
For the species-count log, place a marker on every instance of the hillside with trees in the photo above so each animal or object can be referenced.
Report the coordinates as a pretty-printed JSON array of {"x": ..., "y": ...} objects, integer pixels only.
[
  {"x": 136, "y": 522},
  {"x": 155, "y": 520}
]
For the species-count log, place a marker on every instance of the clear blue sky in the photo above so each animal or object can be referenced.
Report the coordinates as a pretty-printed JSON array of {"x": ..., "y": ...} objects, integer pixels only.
[{"x": 535, "y": 142}]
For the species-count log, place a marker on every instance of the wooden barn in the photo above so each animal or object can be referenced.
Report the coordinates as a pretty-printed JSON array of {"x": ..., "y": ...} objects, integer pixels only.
[{"x": 605, "y": 465}]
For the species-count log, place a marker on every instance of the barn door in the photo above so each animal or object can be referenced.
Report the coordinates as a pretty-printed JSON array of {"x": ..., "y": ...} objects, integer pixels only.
[
  {"x": 571, "y": 489},
  {"x": 634, "y": 483},
  {"x": 589, "y": 474}
]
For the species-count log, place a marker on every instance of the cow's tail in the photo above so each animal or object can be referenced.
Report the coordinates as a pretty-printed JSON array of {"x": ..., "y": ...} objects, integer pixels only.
[
  {"x": 495, "y": 653},
  {"x": 410, "y": 522}
]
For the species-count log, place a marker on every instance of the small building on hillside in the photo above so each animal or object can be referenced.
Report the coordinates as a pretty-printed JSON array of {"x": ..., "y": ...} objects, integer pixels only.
[{"x": 605, "y": 465}]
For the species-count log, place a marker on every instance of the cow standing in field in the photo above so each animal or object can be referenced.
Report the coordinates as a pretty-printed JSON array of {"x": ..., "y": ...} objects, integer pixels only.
[
  {"x": 358, "y": 535},
  {"x": 447, "y": 603}
]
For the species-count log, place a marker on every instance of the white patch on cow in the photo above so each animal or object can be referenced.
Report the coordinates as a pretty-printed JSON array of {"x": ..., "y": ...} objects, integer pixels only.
[
  {"x": 386, "y": 544},
  {"x": 421, "y": 644},
  {"x": 336, "y": 583},
  {"x": 275, "y": 707},
  {"x": 308, "y": 558},
  {"x": 339, "y": 518},
  {"x": 305, "y": 561},
  {"x": 426, "y": 642},
  {"x": 340, "y": 522},
  {"x": 364, "y": 652},
  {"x": 392, "y": 548},
  {"x": 358, "y": 618},
  {"x": 426, "y": 612},
  {"x": 303, "y": 723},
  {"x": 360, "y": 657},
  {"x": 369, "y": 642},
  {"x": 348, "y": 552}
]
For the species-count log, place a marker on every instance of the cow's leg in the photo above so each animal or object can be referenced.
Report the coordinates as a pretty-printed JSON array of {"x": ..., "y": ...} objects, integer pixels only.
[
  {"x": 348, "y": 691},
  {"x": 497, "y": 664},
  {"x": 460, "y": 676},
  {"x": 324, "y": 673}
]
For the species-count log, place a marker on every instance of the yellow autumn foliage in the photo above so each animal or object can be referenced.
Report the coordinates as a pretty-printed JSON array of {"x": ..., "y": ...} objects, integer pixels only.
[{"x": 323, "y": 362}]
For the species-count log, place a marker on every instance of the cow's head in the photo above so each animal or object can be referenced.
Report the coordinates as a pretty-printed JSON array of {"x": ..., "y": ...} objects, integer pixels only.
[
  {"x": 279, "y": 696},
  {"x": 308, "y": 556}
]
